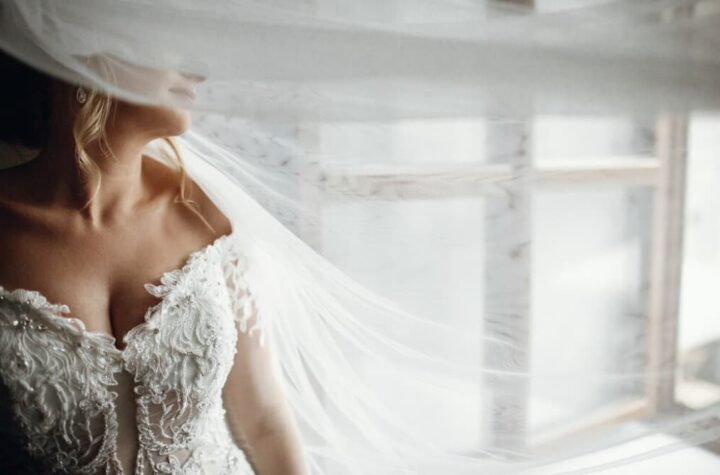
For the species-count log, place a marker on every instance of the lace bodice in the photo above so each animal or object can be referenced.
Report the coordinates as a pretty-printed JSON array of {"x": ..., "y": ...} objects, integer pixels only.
[{"x": 74, "y": 403}]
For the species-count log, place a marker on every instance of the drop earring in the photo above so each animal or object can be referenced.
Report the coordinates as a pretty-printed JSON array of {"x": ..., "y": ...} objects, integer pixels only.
[{"x": 81, "y": 95}]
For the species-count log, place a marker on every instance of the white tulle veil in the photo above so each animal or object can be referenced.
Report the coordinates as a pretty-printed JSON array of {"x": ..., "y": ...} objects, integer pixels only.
[{"x": 401, "y": 295}]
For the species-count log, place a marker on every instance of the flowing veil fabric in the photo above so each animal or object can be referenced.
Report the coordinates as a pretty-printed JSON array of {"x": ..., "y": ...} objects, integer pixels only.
[{"x": 378, "y": 385}]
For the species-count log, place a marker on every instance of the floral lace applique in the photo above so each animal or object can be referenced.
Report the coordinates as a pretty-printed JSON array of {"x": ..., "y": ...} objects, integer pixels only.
[{"x": 63, "y": 381}]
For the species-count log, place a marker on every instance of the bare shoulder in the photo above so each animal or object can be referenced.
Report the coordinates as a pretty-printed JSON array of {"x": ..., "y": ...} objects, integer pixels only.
[
  {"x": 208, "y": 209},
  {"x": 169, "y": 179}
]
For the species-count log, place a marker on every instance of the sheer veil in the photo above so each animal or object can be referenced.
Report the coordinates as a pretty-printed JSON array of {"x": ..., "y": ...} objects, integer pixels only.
[{"x": 386, "y": 370}]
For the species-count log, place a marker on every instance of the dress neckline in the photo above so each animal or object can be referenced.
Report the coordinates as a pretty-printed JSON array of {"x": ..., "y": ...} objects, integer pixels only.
[{"x": 60, "y": 313}]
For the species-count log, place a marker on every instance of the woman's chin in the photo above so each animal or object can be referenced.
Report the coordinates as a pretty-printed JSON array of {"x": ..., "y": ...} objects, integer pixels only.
[
  {"x": 182, "y": 121},
  {"x": 156, "y": 121},
  {"x": 168, "y": 121}
]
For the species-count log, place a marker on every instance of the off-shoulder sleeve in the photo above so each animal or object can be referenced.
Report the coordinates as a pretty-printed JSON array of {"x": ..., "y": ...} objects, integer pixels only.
[
  {"x": 254, "y": 400},
  {"x": 245, "y": 312}
]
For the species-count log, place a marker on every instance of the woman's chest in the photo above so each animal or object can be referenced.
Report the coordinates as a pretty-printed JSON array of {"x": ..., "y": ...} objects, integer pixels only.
[
  {"x": 187, "y": 312},
  {"x": 106, "y": 290},
  {"x": 63, "y": 380}
]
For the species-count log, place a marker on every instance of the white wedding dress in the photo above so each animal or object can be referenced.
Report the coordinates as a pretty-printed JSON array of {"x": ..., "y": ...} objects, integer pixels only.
[{"x": 67, "y": 393}]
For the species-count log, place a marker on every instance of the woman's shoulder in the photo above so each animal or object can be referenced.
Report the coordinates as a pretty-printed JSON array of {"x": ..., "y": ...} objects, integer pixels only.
[
  {"x": 209, "y": 209},
  {"x": 179, "y": 189}
]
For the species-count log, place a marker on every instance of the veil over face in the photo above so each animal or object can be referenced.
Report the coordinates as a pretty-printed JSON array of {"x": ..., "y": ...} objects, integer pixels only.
[{"x": 465, "y": 221}]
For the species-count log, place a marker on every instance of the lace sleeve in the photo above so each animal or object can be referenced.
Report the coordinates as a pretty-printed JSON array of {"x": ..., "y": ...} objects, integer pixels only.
[
  {"x": 242, "y": 301},
  {"x": 257, "y": 411}
]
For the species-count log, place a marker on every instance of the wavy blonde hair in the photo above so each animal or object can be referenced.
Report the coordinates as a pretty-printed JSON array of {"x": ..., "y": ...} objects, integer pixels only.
[{"x": 90, "y": 127}]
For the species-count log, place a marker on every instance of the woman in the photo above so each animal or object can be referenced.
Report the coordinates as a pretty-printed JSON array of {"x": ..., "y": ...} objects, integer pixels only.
[{"x": 119, "y": 296}]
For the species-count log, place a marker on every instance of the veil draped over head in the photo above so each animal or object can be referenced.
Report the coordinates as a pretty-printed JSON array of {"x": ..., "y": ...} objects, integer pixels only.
[{"x": 481, "y": 234}]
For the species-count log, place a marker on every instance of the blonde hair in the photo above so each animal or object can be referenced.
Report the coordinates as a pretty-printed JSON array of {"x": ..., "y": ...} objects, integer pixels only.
[{"x": 90, "y": 127}]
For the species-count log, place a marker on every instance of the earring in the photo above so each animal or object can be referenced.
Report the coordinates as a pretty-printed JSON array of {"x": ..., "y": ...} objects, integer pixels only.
[{"x": 81, "y": 95}]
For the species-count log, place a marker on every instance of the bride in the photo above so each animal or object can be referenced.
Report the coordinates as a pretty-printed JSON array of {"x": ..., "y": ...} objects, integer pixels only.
[
  {"x": 124, "y": 342},
  {"x": 156, "y": 318}
]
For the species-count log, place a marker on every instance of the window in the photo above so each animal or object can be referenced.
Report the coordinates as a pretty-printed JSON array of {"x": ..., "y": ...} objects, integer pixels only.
[{"x": 591, "y": 280}]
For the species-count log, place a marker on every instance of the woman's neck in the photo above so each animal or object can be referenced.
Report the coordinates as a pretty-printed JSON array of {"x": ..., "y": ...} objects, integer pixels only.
[{"x": 57, "y": 180}]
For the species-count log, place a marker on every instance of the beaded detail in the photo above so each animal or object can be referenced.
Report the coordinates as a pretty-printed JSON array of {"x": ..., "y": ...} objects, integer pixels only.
[{"x": 62, "y": 381}]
